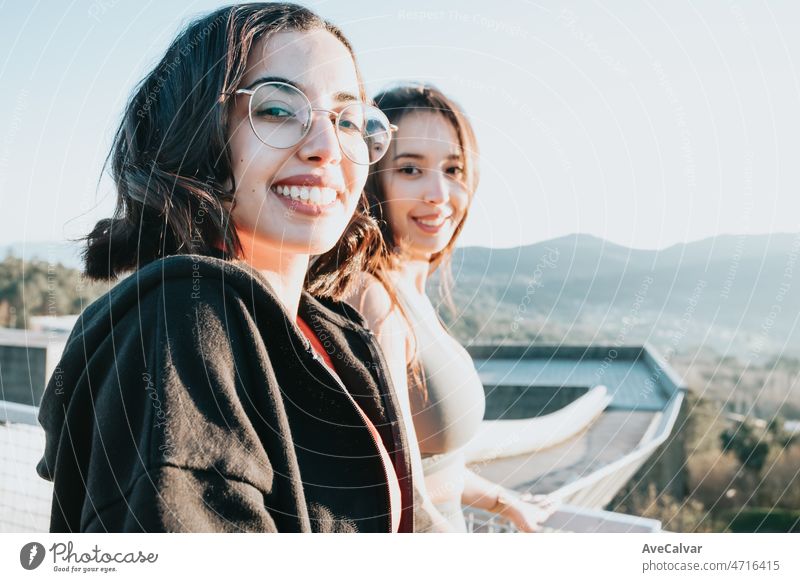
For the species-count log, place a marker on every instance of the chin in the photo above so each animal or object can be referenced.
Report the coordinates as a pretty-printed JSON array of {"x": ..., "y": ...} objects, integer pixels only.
[
  {"x": 315, "y": 240},
  {"x": 320, "y": 247},
  {"x": 431, "y": 248}
]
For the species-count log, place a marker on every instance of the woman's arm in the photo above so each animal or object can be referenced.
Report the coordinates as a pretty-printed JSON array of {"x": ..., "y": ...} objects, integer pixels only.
[
  {"x": 392, "y": 333},
  {"x": 527, "y": 514}
]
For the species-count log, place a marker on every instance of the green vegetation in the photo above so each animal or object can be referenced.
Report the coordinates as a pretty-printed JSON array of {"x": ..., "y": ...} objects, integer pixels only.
[
  {"x": 36, "y": 287},
  {"x": 766, "y": 520},
  {"x": 738, "y": 477},
  {"x": 752, "y": 445}
]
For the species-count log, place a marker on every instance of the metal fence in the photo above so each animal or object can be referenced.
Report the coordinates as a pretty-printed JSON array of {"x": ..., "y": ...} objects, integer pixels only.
[
  {"x": 25, "y": 497},
  {"x": 567, "y": 518}
]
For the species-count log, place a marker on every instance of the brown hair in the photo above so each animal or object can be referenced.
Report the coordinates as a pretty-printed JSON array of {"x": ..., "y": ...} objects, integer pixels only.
[
  {"x": 170, "y": 159},
  {"x": 397, "y": 103}
]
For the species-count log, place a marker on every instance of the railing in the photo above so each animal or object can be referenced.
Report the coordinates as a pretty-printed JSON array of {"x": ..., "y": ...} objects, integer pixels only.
[
  {"x": 479, "y": 521},
  {"x": 11, "y": 412},
  {"x": 507, "y": 438},
  {"x": 25, "y": 498},
  {"x": 567, "y": 518},
  {"x": 598, "y": 488}
]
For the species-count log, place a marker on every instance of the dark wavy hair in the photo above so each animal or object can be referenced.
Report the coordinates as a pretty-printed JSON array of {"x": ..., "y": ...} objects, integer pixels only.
[{"x": 171, "y": 162}]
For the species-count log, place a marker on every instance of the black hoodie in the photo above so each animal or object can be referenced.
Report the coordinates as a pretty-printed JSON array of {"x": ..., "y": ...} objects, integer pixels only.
[{"x": 187, "y": 399}]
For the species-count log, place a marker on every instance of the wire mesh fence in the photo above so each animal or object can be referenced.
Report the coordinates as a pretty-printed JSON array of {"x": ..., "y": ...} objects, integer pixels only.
[{"x": 25, "y": 497}]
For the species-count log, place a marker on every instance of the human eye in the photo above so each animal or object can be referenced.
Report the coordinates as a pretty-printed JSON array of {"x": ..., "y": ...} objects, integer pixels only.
[
  {"x": 351, "y": 120},
  {"x": 273, "y": 110},
  {"x": 349, "y": 126},
  {"x": 409, "y": 170},
  {"x": 455, "y": 171}
]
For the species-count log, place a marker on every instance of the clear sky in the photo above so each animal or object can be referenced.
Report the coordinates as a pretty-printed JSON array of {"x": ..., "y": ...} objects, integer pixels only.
[{"x": 646, "y": 123}]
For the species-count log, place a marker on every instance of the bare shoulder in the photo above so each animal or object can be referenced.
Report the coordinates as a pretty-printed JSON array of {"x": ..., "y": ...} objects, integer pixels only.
[
  {"x": 385, "y": 319},
  {"x": 373, "y": 301}
]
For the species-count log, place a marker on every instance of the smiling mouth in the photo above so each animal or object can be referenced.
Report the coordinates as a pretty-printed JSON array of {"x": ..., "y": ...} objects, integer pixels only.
[
  {"x": 428, "y": 223},
  {"x": 314, "y": 195}
]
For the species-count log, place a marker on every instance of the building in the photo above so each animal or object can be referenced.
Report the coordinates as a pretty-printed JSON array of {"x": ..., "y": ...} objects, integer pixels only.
[
  {"x": 27, "y": 360},
  {"x": 590, "y": 455}
]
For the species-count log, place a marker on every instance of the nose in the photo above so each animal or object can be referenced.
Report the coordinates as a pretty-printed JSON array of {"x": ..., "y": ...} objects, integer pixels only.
[
  {"x": 321, "y": 146},
  {"x": 438, "y": 189}
]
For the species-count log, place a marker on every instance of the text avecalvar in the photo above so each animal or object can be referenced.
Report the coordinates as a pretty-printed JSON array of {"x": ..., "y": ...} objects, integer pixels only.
[{"x": 671, "y": 549}]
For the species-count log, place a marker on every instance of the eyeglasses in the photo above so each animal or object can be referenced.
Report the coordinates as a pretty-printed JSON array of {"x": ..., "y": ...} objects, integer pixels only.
[{"x": 280, "y": 115}]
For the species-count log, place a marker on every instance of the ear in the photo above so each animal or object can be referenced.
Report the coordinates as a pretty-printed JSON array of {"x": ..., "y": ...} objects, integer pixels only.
[
  {"x": 228, "y": 185},
  {"x": 230, "y": 203}
]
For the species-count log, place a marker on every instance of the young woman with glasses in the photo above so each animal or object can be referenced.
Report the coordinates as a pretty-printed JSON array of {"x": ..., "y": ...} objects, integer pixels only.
[
  {"x": 421, "y": 193},
  {"x": 209, "y": 390}
]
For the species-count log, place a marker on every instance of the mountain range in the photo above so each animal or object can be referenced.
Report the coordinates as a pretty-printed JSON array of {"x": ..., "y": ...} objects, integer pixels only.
[{"x": 734, "y": 293}]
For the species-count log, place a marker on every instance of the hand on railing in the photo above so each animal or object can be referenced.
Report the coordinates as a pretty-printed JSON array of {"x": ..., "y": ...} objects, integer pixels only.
[{"x": 527, "y": 512}]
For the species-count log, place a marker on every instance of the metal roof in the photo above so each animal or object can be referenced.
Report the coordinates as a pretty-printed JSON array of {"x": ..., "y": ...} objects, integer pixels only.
[
  {"x": 635, "y": 376},
  {"x": 588, "y": 468}
]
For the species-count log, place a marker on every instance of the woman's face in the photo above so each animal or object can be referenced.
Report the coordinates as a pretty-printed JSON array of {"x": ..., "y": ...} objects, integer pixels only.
[
  {"x": 423, "y": 184},
  {"x": 267, "y": 219}
]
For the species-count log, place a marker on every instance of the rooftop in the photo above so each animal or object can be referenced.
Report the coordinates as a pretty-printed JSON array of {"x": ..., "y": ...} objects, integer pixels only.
[
  {"x": 588, "y": 467},
  {"x": 637, "y": 379}
]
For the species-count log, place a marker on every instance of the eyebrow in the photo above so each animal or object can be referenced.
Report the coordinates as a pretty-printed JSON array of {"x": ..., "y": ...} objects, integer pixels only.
[
  {"x": 421, "y": 157},
  {"x": 339, "y": 97},
  {"x": 413, "y": 156}
]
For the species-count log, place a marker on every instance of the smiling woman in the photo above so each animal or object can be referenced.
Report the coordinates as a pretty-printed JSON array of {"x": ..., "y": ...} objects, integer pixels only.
[
  {"x": 198, "y": 395},
  {"x": 302, "y": 147},
  {"x": 421, "y": 192}
]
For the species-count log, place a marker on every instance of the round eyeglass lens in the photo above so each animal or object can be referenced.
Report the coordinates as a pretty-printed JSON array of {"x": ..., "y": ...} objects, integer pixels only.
[
  {"x": 280, "y": 114},
  {"x": 281, "y": 117},
  {"x": 364, "y": 133}
]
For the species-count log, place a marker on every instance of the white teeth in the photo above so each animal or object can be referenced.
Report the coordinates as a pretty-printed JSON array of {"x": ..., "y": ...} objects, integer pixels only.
[
  {"x": 315, "y": 195},
  {"x": 432, "y": 223}
]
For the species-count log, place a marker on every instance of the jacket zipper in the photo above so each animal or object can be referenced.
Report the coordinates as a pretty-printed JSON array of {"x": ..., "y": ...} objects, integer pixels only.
[
  {"x": 369, "y": 338},
  {"x": 363, "y": 417}
]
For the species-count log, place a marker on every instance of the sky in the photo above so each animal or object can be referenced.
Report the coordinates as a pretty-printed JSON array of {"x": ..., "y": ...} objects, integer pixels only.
[{"x": 644, "y": 123}]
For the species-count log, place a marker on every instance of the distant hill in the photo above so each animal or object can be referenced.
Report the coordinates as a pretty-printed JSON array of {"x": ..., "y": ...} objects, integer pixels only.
[
  {"x": 732, "y": 293},
  {"x": 735, "y": 294},
  {"x": 66, "y": 253}
]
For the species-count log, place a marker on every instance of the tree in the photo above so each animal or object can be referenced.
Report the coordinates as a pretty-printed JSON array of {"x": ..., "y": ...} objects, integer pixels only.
[
  {"x": 37, "y": 287},
  {"x": 751, "y": 445}
]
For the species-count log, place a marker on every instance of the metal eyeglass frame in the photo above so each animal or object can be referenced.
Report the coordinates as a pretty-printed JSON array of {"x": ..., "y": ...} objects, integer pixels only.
[{"x": 333, "y": 116}]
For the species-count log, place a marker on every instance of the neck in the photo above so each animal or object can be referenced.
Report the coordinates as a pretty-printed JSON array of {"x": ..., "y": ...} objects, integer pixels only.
[
  {"x": 415, "y": 272},
  {"x": 285, "y": 271}
]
